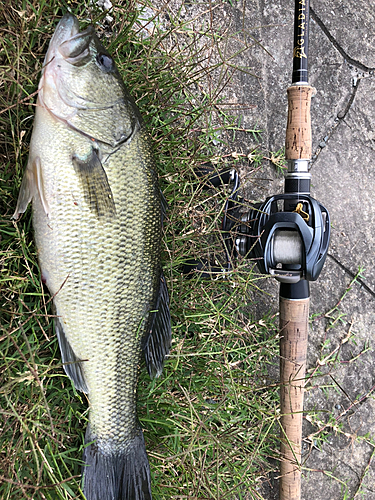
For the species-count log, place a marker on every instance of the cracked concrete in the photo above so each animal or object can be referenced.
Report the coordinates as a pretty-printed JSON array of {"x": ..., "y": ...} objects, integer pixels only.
[
  {"x": 339, "y": 453},
  {"x": 339, "y": 463},
  {"x": 339, "y": 460}
]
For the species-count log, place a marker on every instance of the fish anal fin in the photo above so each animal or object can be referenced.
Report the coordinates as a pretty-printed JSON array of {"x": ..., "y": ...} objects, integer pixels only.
[
  {"x": 73, "y": 365},
  {"x": 31, "y": 186},
  {"x": 97, "y": 191},
  {"x": 157, "y": 341}
]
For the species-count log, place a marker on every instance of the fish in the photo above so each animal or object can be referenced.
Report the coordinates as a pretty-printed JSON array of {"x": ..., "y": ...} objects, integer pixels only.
[{"x": 97, "y": 213}]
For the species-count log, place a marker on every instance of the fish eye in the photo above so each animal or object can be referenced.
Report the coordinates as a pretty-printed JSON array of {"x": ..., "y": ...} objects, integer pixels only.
[{"x": 105, "y": 61}]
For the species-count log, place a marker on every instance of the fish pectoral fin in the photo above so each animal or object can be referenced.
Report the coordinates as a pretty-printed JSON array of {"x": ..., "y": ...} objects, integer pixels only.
[
  {"x": 97, "y": 191},
  {"x": 73, "y": 365},
  {"x": 157, "y": 341},
  {"x": 32, "y": 185}
]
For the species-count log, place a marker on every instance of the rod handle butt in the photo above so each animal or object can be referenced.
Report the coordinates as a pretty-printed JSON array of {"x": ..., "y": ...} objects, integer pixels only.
[{"x": 294, "y": 323}]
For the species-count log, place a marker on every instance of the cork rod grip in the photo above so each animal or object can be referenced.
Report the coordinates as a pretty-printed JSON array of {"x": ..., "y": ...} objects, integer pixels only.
[
  {"x": 294, "y": 316},
  {"x": 298, "y": 130}
]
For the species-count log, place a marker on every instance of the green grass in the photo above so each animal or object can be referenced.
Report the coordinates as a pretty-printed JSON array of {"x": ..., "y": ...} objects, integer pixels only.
[{"x": 210, "y": 422}]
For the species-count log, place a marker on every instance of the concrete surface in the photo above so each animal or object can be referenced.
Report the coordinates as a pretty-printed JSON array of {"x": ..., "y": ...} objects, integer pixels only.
[
  {"x": 342, "y": 39},
  {"x": 340, "y": 460}
]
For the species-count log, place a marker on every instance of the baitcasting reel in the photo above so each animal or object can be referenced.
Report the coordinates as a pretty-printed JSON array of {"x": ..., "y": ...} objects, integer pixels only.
[
  {"x": 287, "y": 235},
  {"x": 289, "y": 245}
]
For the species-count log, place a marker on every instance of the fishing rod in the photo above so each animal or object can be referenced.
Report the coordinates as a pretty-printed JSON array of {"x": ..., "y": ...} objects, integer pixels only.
[{"x": 288, "y": 237}]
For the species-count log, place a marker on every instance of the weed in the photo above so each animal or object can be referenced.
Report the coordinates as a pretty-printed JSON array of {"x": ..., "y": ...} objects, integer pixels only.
[{"x": 209, "y": 421}]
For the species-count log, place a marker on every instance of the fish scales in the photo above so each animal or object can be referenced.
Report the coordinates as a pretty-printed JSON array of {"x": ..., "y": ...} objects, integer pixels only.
[
  {"x": 94, "y": 262},
  {"x": 97, "y": 215}
]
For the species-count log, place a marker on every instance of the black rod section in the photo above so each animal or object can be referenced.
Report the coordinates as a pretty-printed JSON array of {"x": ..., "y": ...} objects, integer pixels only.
[
  {"x": 301, "y": 41},
  {"x": 295, "y": 291}
]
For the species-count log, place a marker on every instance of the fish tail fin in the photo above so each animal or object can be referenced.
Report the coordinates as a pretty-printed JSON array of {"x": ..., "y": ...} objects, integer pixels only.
[{"x": 121, "y": 475}]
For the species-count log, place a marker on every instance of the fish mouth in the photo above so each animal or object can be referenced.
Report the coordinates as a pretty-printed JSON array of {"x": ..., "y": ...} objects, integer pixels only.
[
  {"x": 72, "y": 44},
  {"x": 67, "y": 28},
  {"x": 67, "y": 84}
]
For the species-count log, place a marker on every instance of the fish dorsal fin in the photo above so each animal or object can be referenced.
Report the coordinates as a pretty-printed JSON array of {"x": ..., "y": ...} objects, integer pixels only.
[
  {"x": 95, "y": 185},
  {"x": 32, "y": 185},
  {"x": 157, "y": 341},
  {"x": 73, "y": 366}
]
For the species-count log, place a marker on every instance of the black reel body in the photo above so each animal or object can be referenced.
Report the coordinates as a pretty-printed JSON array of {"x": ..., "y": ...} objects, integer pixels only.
[
  {"x": 290, "y": 245},
  {"x": 287, "y": 235}
]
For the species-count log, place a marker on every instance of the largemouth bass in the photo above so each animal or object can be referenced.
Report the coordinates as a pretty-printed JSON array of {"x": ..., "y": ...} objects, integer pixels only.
[{"x": 97, "y": 217}]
